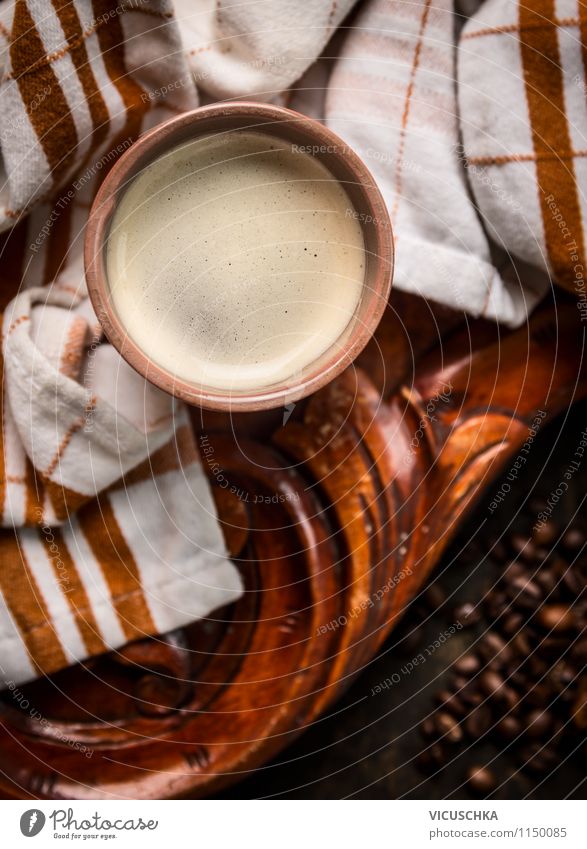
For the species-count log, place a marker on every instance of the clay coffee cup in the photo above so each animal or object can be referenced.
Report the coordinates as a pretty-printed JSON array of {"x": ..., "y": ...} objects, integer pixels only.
[{"x": 342, "y": 163}]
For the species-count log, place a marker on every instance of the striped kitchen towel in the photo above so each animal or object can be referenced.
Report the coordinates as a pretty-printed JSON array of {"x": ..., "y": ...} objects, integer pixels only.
[
  {"x": 110, "y": 531},
  {"x": 522, "y": 94},
  {"x": 392, "y": 97},
  {"x": 257, "y": 48}
]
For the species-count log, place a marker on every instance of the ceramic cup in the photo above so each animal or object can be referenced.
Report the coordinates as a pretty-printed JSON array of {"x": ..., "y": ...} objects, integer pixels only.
[{"x": 342, "y": 163}]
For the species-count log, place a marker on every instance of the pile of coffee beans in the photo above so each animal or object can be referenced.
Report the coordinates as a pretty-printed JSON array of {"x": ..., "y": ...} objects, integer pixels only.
[{"x": 522, "y": 684}]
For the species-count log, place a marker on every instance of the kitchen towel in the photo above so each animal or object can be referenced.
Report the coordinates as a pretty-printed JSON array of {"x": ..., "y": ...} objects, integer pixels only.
[
  {"x": 476, "y": 136},
  {"x": 392, "y": 96},
  {"x": 109, "y": 527},
  {"x": 522, "y": 94}
]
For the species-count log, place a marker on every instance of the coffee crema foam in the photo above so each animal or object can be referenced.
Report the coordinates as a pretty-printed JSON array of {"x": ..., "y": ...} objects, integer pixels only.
[{"x": 234, "y": 261}]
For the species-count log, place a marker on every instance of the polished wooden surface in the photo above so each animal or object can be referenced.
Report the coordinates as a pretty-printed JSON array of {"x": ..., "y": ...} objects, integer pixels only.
[{"x": 335, "y": 519}]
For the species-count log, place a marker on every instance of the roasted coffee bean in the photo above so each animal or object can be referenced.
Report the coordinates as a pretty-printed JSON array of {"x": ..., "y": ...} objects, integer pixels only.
[
  {"x": 545, "y": 580},
  {"x": 521, "y": 644},
  {"x": 558, "y": 567},
  {"x": 495, "y": 647},
  {"x": 428, "y": 728},
  {"x": 541, "y": 555},
  {"x": 537, "y": 758},
  {"x": 556, "y": 617},
  {"x": 529, "y": 588},
  {"x": 545, "y": 534},
  {"x": 448, "y": 727},
  {"x": 467, "y": 690},
  {"x": 481, "y": 779},
  {"x": 573, "y": 582},
  {"x": 496, "y": 664},
  {"x": 467, "y": 665},
  {"x": 512, "y": 623},
  {"x": 491, "y": 683},
  {"x": 539, "y": 724},
  {"x": 510, "y": 697},
  {"x": 437, "y": 754},
  {"x": 561, "y": 676},
  {"x": 434, "y": 596},
  {"x": 513, "y": 570},
  {"x": 442, "y": 697},
  {"x": 478, "y": 722},
  {"x": 467, "y": 614},
  {"x": 573, "y": 540},
  {"x": 451, "y": 702},
  {"x": 499, "y": 600},
  {"x": 526, "y": 595},
  {"x": 508, "y": 727},
  {"x": 523, "y": 547}
]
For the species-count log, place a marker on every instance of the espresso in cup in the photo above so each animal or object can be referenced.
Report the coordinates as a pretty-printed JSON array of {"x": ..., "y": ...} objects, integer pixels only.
[{"x": 234, "y": 260}]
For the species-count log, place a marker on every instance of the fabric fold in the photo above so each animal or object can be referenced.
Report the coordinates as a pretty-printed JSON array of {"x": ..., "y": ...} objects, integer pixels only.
[
  {"x": 392, "y": 97},
  {"x": 522, "y": 98}
]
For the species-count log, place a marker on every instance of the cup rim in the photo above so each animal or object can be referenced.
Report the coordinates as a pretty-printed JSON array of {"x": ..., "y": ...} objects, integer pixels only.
[{"x": 103, "y": 208}]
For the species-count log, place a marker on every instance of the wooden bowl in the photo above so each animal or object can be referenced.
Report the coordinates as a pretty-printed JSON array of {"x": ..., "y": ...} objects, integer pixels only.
[{"x": 352, "y": 502}]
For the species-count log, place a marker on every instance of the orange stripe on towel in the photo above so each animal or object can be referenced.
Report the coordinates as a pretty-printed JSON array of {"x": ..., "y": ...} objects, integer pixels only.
[
  {"x": 120, "y": 569},
  {"x": 28, "y": 608},
  {"x": 557, "y": 185}
]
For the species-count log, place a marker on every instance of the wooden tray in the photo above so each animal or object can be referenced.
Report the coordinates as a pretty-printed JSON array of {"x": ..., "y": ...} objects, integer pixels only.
[{"x": 338, "y": 517}]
